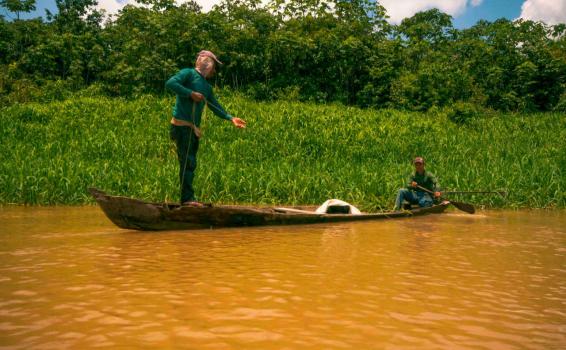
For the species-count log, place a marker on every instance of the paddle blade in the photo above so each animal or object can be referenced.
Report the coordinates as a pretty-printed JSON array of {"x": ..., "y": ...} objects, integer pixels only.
[{"x": 468, "y": 208}]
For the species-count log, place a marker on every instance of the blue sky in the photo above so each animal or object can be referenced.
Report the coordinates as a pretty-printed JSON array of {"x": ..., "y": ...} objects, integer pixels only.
[
  {"x": 490, "y": 11},
  {"x": 465, "y": 12}
]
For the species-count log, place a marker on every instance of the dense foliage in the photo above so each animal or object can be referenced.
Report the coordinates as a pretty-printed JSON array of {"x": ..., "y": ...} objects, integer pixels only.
[
  {"x": 316, "y": 50},
  {"x": 291, "y": 152}
]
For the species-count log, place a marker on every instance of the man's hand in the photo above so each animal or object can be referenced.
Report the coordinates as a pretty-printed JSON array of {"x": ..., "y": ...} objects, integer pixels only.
[
  {"x": 437, "y": 194},
  {"x": 414, "y": 184},
  {"x": 197, "y": 96},
  {"x": 239, "y": 123}
]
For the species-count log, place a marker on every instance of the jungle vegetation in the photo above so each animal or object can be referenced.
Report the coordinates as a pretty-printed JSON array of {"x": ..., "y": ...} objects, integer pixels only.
[{"x": 306, "y": 50}]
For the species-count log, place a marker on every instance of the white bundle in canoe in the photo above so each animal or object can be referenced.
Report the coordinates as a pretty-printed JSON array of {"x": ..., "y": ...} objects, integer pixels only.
[{"x": 335, "y": 206}]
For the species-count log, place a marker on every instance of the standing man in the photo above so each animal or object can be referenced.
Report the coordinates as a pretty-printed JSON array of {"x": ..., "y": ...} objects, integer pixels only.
[
  {"x": 193, "y": 92},
  {"x": 415, "y": 195}
]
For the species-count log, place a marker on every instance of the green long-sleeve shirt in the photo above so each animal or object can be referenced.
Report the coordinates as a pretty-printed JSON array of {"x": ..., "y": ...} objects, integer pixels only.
[
  {"x": 183, "y": 84},
  {"x": 426, "y": 180}
]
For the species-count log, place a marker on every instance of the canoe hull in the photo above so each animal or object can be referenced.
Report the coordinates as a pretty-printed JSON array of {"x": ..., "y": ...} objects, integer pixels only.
[{"x": 130, "y": 213}]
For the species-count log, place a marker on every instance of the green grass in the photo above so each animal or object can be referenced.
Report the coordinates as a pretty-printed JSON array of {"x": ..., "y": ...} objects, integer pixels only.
[{"x": 290, "y": 153}]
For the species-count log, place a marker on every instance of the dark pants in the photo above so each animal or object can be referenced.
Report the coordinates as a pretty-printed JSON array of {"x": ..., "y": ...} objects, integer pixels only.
[
  {"x": 187, "y": 147},
  {"x": 423, "y": 199}
]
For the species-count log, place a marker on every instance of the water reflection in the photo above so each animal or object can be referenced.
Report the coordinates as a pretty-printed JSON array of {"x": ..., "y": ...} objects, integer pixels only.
[{"x": 69, "y": 279}]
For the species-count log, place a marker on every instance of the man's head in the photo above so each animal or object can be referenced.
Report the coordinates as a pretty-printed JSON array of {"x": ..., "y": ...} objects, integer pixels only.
[
  {"x": 419, "y": 164},
  {"x": 206, "y": 63}
]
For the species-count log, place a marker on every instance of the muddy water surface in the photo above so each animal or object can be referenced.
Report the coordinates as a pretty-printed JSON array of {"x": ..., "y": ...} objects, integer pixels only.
[{"x": 496, "y": 280}]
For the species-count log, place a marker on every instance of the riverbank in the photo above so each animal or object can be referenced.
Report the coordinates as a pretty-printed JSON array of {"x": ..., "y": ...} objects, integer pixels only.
[{"x": 291, "y": 152}]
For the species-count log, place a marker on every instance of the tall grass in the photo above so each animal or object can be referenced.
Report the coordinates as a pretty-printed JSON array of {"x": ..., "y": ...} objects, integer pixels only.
[{"x": 290, "y": 153}]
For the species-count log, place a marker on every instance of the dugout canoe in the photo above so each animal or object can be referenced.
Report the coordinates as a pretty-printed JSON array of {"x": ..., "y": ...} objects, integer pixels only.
[{"x": 131, "y": 213}]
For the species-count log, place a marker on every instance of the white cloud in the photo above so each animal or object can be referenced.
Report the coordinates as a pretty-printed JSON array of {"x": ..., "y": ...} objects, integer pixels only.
[
  {"x": 396, "y": 9},
  {"x": 400, "y": 9},
  {"x": 113, "y": 6},
  {"x": 206, "y": 4},
  {"x": 548, "y": 11}
]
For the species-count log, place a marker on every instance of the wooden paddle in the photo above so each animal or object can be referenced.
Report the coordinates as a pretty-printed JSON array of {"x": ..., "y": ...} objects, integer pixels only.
[{"x": 465, "y": 207}]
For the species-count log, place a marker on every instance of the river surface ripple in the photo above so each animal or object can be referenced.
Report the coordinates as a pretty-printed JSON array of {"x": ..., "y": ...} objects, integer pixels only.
[{"x": 495, "y": 280}]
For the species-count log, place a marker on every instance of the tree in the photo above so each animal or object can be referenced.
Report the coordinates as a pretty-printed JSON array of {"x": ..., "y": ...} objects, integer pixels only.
[
  {"x": 18, "y": 6},
  {"x": 76, "y": 16},
  {"x": 431, "y": 26}
]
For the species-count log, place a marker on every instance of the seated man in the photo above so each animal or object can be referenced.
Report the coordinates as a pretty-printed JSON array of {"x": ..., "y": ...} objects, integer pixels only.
[{"x": 420, "y": 186}]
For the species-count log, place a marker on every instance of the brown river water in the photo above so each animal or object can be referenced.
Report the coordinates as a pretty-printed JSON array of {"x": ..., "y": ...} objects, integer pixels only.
[{"x": 494, "y": 280}]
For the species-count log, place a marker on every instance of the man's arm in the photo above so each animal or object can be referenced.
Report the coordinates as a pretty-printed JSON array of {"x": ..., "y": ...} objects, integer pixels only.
[
  {"x": 220, "y": 112},
  {"x": 175, "y": 83},
  {"x": 434, "y": 182},
  {"x": 435, "y": 186},
  {"x": 217, "y": 108}
]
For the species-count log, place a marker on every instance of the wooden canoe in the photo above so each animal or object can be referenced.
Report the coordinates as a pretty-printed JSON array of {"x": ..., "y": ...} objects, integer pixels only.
[{"x": 130, "y": 213}]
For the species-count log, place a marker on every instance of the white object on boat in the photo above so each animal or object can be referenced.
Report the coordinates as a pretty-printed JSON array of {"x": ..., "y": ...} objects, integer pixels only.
[{"x": 323, "y": 209}]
